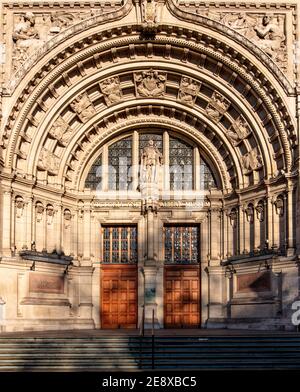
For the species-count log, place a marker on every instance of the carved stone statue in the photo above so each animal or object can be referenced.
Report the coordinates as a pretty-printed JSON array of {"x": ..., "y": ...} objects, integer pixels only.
[
  {"x": 270, "y": 36},
  {"x": 238, "y": 131},
  {"x": 151, "y": 160},
  {"x": 61, "y": 131},
  {"x": 39, "y": 211},
  {"x": 19, "y": 206},
  {"x": 188, "y": 90},
  {"x": 150, "y": 83},
  {"x": 48, "y": 161},
  {"x": 83, "y": 107},
  {"x": 251, "y": 160},
  {"x": 217, "y": 106},
  {"x": 26, "y": 38},
  {"x": 111, "y": 90}
]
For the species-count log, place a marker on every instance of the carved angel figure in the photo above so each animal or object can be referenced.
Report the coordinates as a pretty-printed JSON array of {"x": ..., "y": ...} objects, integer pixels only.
[
  {"x": 83, "y": 107},
  {"x": 252, "y": 160}
]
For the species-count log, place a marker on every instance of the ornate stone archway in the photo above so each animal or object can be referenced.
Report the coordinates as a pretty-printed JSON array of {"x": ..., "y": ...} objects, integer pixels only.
[{"x": 193, "y": 72}]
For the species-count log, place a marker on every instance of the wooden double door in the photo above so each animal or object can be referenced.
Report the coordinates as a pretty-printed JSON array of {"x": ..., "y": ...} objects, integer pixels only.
[
  {"x": 182, "y": 296},
  {"x": 119, "y": 287}
]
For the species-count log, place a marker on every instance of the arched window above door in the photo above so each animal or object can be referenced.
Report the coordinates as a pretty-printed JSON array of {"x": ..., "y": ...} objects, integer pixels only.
[{"x": 183, "y": 164}]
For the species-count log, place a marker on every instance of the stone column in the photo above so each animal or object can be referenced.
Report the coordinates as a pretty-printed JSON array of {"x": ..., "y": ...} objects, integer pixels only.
[
  {"x": 270, "y": 222},
  {"x": 58, "y": 227},
  {"x": 290, "y": 220},
  {"x": 216, "y": 283},
  {"x": 6, "y": 223},
  {"x": 29, "y": 222},
  {"x": 166, "y": 175},
  {"x": 276, "y": 219},
  {"x": 150, "y": 273},
  {"x": 135, "y": 160},
  {"x": 215, "y": 226},
  {"x": 256, "y": 230},
  {"x": 87, "y": 234}
]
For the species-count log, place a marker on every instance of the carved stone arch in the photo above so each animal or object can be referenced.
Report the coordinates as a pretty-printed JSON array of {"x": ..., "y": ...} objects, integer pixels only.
[
  {"x": 259, "y": 135},
  {"x": 273, "y": 112}
]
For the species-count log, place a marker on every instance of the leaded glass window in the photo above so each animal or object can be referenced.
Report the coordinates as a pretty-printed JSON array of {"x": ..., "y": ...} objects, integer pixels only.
[
  {"x": 181, "y": 165},
  {"x": 207, "y": 180},
  {"x": 181, "y": 244},
  {"x": 94, "y": 178},
  {"x": 120, "y": 244},
  {"x": 120, "y": 161}
]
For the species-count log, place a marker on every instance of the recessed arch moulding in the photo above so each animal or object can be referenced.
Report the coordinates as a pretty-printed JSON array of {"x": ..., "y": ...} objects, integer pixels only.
[{"x": 188, "y": 73}]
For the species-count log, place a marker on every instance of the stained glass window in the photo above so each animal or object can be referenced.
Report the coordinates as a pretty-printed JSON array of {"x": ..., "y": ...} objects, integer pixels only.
[
  {"x": 181, "y": 165},
  {"x": 120, "y": 161},
  {"x": 94, "y": 178},
  {"x": 207, "y": 180},
  {"x": 181, "y": 244},
  {"x": 120, "y": 244}
]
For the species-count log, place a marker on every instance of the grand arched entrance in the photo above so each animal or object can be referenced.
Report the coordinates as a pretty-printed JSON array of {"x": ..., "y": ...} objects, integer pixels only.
[{"x": 149, "y": 164}]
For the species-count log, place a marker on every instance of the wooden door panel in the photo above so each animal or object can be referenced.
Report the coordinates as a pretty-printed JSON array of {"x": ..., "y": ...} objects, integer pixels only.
[
  {"x": 182, "y": 296},
  {"x": 119, "y": 296}
]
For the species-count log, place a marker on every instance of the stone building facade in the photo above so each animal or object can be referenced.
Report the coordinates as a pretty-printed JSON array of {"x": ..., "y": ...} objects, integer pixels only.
[{"x": 149, "y": 163}]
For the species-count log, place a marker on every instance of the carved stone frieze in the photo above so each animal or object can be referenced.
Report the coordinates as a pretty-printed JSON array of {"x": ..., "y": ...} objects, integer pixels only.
[
  {"x": 83, "y": 107},
  {"x": 111, "y": 90},
  {"x": 48, "y": 161},
  {"x": 61, "y": 131},
  {"x": 33, "y": 29},
  {"x": 188, "y": 90},
  {"x": 217, "y": 106},
  {"x": 266, "y": 30},
  {"x": 150, "y": 83}
]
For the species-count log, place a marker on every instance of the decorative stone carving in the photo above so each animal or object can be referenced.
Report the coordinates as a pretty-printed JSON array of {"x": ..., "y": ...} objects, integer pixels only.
[
  {"x": 238, "y": 131},
  {"x": 83, "y": 107},
  {"x": 19, "y": 202},
  {"x": 48, "y": 161},
  {"x": 149, "y": 19},
  {"x": 61, "y": 131},
  {"x": 150, "y": 83},
  {"x": 39, "y": 211},
  {"x": 251, "y": 160},
  {"x": 111, "y": 90},
  {"x": 266, "y": 30},
  {"x": 151, "y": 160},
  {"x": 188, "y": 90},
  {"x": 26, "y": 38},
  {"x": 270, "y": 37},
  {"x": 217, "y": 106}
]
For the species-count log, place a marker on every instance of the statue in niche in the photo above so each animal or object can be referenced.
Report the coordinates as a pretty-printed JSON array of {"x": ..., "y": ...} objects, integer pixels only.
[
  {"x": 83, "y": 107},
  {"x": 188, "y": 90},
  {"x": 111, "y": 90},
  {"x": 50, "y": 214},
  {"x": 270, "y": 37},
  {"x": 150, "y": 84},
  {"x": 39, "y": 211},
  {"x": 19, "y": 207},
  {"x": 151, "y": 161}
]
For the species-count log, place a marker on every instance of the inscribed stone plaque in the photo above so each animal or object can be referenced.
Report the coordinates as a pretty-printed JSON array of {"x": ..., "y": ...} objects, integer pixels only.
[
  {"x": 254, "y": 282},
  {"x": 44, "y": 283}
]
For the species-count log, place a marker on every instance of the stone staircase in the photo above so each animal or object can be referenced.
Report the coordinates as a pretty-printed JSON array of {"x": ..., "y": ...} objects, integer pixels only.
[{"x": 100, "y": 353}]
